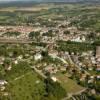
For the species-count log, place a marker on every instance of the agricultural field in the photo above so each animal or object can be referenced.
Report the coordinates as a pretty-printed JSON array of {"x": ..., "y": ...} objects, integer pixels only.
[
  {"x": 68, "y": 84},
  {"x": 80, "y": 15}
]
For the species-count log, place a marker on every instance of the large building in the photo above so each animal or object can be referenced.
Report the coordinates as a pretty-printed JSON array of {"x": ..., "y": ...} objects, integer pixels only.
[
  {"x": 98, "y": 57},
  {"x": 98, "y": 52}
]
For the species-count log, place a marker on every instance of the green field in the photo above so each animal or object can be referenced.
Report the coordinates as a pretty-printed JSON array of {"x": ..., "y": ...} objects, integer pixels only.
[
  {"x": 27, "y": 87},
  {"x": 68, "y": 84},
  {"x": 79, "y": 15}
]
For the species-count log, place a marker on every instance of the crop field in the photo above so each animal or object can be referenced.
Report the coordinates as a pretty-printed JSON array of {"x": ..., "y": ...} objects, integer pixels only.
[
  {"x": 80, "y": 15},
  {"x": 68, "y": 84}
]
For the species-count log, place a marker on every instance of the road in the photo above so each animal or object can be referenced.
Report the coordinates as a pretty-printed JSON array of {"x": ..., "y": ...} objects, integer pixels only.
[
  {"x": 39, "y": 72},
  {"x": 61, "y": 59},
  {"x": 65, "y": 62},
  {"x": 79, "y": 67}
]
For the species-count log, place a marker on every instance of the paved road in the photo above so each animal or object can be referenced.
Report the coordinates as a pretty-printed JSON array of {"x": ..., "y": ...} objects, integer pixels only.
[{"x": 79, "y": 67}]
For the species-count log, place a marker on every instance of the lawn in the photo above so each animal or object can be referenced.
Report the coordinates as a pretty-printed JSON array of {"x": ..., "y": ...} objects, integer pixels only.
[
  {"x": 29, "y": 87},
  {"x": 93, "y": 72},
  {"x": 17, "y": 70},
  {"x": 68, "y": 84}
]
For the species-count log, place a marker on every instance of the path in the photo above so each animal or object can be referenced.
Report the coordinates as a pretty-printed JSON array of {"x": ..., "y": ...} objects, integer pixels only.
[
  {"x": 17, "y": 78},
  {"x": 39, "y": 72},
  {"x": 79, "y": 67}
]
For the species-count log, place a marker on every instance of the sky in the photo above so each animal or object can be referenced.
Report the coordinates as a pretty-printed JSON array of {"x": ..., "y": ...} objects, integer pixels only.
[{"x": 18, "y": 0}]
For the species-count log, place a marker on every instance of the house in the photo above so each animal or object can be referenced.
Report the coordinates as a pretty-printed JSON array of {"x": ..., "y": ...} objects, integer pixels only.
[
  {"x": 53, "y": 53},
  {"x": 2, "y": 88},
  {"x": 93, "y": 91},
  {"x": 9, "y": 68},
  {"x": 15, "y": 61},
  {"x": 83, "y": 38},
  {"x": 3, "y": 82},
  {"x": 76, "y": 39},
  {"x": 98, "y": 66},
  {"x": 2, "y": 60},
  {"x": 63, "y": 68},
  {"x": 38, "y": 56},
  {"x": 98, "y": 52},
  {"x": 54, "y": 79},
  {"x": 51, "y": 69},
  {"x": 93, "y": 60},
  {"x": 20, "y": 57},
  {"x": 98, "y": 76},
  {"x": 90, "y": 81}
]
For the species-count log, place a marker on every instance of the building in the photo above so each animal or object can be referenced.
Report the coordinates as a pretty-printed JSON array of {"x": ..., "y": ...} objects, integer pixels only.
[
  {"x": 38, "y": 56},
  {"x": 98, "y": 52},
  {"x": 54, "y": 79},
  {"x": 98, "y": 57},
  {"x": 3, "y": 82}
]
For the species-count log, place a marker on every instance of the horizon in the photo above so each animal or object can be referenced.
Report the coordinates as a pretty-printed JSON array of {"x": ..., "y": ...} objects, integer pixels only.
[{"x": 49, "y": 0}]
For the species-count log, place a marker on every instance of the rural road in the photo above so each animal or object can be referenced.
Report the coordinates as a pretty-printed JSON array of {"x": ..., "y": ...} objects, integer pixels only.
[{"x": 39, "y": 72}]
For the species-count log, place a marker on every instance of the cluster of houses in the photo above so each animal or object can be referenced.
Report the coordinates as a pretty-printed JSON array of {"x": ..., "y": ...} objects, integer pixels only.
[
  {"x": 58, "y": 32},
  {"x": 89, "y": 62}
]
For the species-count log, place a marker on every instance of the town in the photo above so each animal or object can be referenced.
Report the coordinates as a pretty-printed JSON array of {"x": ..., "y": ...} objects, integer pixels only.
[{"x": 50, "y": 56}]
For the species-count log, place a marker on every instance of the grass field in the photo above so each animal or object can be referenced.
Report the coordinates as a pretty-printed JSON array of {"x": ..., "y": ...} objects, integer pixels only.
[
  {"x": 28, "y": 87},
  {"x": 17, "y": 71},
  {"x": 68, "y": 84}
]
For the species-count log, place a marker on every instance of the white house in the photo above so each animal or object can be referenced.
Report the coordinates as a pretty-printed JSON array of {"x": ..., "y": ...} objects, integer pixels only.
[
  {"x": 3, "y": 82},
  {"x": 38, "y": 56},
  {"x": 54, "y": 79}
]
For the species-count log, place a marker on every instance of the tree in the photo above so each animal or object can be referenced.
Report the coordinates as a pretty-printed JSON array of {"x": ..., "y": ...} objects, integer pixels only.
[
  {"x": 55, "y": 89},
  {"x": 97, "y": 86},
  {"x": 12, "y": 33},
  {"x": 48, "y": 34},
  {"x": 2, "y": 71},
  {"x": 33, "y": 35},
  {"x": 92, "y": 36},
  {"x": 66, "y": 32}
]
